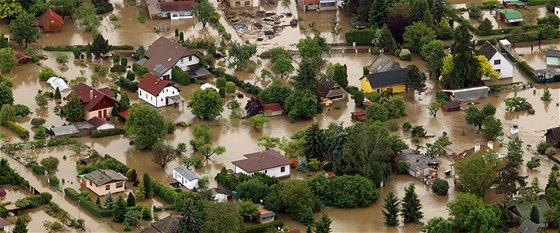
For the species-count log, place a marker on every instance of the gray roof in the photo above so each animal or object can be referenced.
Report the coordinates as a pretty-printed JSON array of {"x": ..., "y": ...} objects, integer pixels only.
[
  {"x": 415, "y": 160},
  {"x": 383, "y": 63},
  {"x": 386, "y": 78},
  {"x": 168, "y": 224},
  {"x": 197, "y": 70},
  {"x": 528, "y": 226},
  {"x": 83, "y": 125},
  {"x": 452, "y": 104},
  {"x": 104, "y": 176},
  {"x": 325, "y": 85},
  {"x": 553, "y": 53},
  {"x": 184, "y": 171},
  {"x": 259, "y": 161},
  {"x": 524, "y": 209},
  {"x": 64, "y": 130},
  {"x": 487, "y": 50}
]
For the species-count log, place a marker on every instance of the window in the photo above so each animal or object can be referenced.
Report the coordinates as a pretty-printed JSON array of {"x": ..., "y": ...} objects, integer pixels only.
[
  {"x": 247, "y": 3},
  {"x": 498, "y": 70},
  {"x": 90, "y": 183},
  {"x": 190, "y": 58},
  {"x": 265, "y": 171},
  {"x": 107, "y": 187},
  {"x": 283, "y": 169},
  {"x": 120, "y": 184},
  {"x": 497, "y": 62},
  {"x": 237, "y": 3}
]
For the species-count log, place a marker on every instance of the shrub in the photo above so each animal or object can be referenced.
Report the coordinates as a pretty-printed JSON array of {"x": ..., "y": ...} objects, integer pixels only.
[
  {"x": 37, "y": 122},
  {"x": 102, "y": 7},
  {"x": 541, "y": 147},
  {"x": 127, "y": 84},
  {"x": 20, "y": 131},
  {"x": 118, "y": 68},
  {"x": 440, "y": 187},
  {"x": 550, "y": 151},
  {"x": 22, "y": 110},
  {"x": 405, "y": 55},
  {"x": 87, "y": 204},
  {"x": 139, "y": 70},
  {"x": 402, "y": 167},
  {"x": 106, "y": 132},
  {"x": 328, "y": 167},
  {"x": 46, "y": 73},
  {"x": 364, "y": 36},
  {"x": 38, "y": 169},
  {"x": 407, "y": 126},
  {"x": 266, "y": 227},
  {"x": 351, "y": 191}
]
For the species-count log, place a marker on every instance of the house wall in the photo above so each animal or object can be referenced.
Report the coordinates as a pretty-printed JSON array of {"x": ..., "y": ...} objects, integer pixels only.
[
  {"x": 51, "y": 26},
  {"x": 275, "y": 172},
  {"x": 184, "y": 64},
  {"x": 327, "y": 5},
  {"x": 180, "y": 14},
  {"x": 219, "y": 197},
  {"x": 557, "y": 11},
  {"x": 101, "y": 113},
  {"x": 243, "y": 3},
  {"x": 102, "y": 190},
  {"x": 364, "y": 83},
  {"x": 333, "y": 93},
  {"x": 273, "y": 113},
  {"x": 185, "y": 182},
  {"x": 505, "y": 67},
  {"x": 161, "y": 99}
]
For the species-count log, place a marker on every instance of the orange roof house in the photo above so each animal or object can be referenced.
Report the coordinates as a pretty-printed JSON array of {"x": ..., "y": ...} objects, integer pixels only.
[
  {"x": 49, "y": 21},
  {"x": 21, "y": 57}
]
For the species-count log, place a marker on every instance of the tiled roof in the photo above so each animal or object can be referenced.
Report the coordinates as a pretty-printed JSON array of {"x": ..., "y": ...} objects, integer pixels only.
[
  {"x": 259, "y": 161},
  {"x": 163, "y": 54},
  {"x": 325, "y": 85},
  {"x": 511, "y": 14},
  {"x": 96, "y": 122},
  {"x": 104, "y": 176},
  {"x": 47, "y": 16},
  {"x": 153, "y": 85},
  {"x": 168, "y": 224},
  {"x": 487, "y": 50},
  {"x": 21, "y": 55},
  {"x": 308, "y": 2},
  {"x": 387, "y": 78},
  {"x": 383, "y": 63},
  {"x": 177, "y": 6},
  {"x": 86, "y": 93},
  {"x": 272, "y": 107}
]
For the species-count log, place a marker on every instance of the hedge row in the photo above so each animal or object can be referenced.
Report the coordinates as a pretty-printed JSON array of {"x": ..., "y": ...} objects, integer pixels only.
[
  {"x": 84, "y": 48},
  {"x": 20, "y": 131},
  {"x": 105, "y": 133},
  {"x": 260, "y": 228},
  {"x": 364, "y": 36},
  {"x": 127, "y": 84},
  {"x": 87, "y": 204},
  {"x": 34, "y": 201}
]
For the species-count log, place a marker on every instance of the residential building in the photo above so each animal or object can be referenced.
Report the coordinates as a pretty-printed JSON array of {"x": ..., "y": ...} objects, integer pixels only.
[
  {"x": 273, "y": 109},
  {"x": 510, "y": 16},
  {"x": 84, "y": 128},
  {"x": 104, "y": 181},
  {"x": 548, "y": 75},
  {"x": 329, "y": 89},
  {"x": 221, "y": 195},
  {"x": 164, "y": 54},
  {"x": 392, "y": 80},
  {"x": 243, "y": 3},
  {"x": 22, "y": 58},
  {"x": 168, "y": 224},
  {"x": 170, "y": 10},
  {"x": 513, "y": 4},
  {"x": 265, "y": 216},
  {"x": 158, "y": 92},
  {"x": 498, "y": 61},
  {"x": 185, "y": 177},
  {"x": 553, "y": 57},
  {"x": 479, "y": 147},
  {"x": 420, "y": 166},
  {"x": 552, "y": 136},
  {"x": 49, "y": 21},
  {"x": 522, "y": 211},
  {"x": 95, "y": 102},
  {"x": 5, "y": 226},
  {"x": 528, "y": 226},
  {"x": 317, "y": 5},
  {"x": 269, "y": 162},
  {"x": 382, "y": 63},
  {"x": 359, "y": 115},
  {"x": 100, "y": 124},
  {"x": 451, "y": 106}
]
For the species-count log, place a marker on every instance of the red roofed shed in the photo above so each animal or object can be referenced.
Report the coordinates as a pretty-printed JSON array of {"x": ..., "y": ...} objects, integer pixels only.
[
  {"x": 49, "y": 21},
  {"x": 21, "y": 57},
  {"x": 273, "y": 109}
]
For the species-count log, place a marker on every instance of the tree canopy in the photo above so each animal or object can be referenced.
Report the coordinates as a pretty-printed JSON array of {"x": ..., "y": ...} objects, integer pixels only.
[
  {"x": 477, "y": 172},
  {"x": 206, "y": 104},
  {"x": 145, "y": 126},
  {"x": 22, "y": 29}
]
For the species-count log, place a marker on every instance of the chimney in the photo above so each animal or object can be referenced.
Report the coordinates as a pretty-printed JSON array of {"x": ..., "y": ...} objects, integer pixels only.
[
  {"x": 477, "y": 147},
  {"x": 91, "y": 94}
]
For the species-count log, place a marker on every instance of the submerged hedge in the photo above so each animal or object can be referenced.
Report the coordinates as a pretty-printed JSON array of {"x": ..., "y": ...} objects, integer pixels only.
[{"x": 84, "y": 48}]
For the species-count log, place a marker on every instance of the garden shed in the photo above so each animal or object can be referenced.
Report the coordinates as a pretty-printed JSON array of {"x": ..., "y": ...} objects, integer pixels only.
[{"x": 64, "y": 131}]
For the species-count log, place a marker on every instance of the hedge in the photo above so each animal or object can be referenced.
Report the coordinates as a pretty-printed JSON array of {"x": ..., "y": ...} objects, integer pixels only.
[
  {"x": 364, "y": 36},
  {"x": 118, "y": 69},
  {"x": 87, "y": 204},
  {"x": 259, "y": 228},
  {"x": 84, "y": 48},
  {"x": 139, "y": 70},
  {"x": 105, "y": 133},
  {"x": 536, "y": 2},
  {"x": 102, "y": 7},
  {"x": 127, "y": 84},
  {"x": 498, "y": 31},
  {"x": 20, "y": 131},
  {"x": 248, "y": 87}
]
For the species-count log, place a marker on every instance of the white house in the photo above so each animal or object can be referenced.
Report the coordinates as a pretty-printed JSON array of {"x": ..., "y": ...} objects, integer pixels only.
[
  {"x": 158, "y": 92},
  {"x": 498, "y": 61},
  {"x": 164, "y": 54},
  {"x": 185, "y": 177},
  {"x": 269, "y": 162},
  {"x": 103, "y": 181}
]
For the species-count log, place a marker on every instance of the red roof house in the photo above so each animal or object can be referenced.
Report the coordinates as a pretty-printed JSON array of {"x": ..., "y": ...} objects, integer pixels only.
[
  {"x": 21, "y": 57},
  {"x": 49, "y": 21},
  {"x": 96, "y": 102},
  {"x": 273, "y": 109},
  {"x": 158, "y": 92}
]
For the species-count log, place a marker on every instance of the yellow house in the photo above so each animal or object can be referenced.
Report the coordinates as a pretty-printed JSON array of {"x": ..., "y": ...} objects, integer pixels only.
[{"x": 382, "y": 81}]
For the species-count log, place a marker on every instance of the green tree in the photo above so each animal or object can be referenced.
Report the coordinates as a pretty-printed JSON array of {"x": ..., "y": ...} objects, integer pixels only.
[
  {"x": 230, "y": 87},
  {"x": 57, "y": 95},
  {"x": 253, "y": 189},
  {"x": 276, "y": 92},
  {"x": 338, "y": 73},
  {"x": 437, "y": 225},
  {"x": 385, "y": 40},
  {"x": 377, "y": 112},
  {"x": 301, "y": 104},
  {"x": 465, "y": 66},
  {"x": 434, "y": 108},
  {"x": 248, "y": 210},
  {"x": 192, "y": 219},
  {"x": 310, "y": 48},
  {"x": 109, "y": 201},
  {"x": 546, "y": 95},
  {"x": 391, "y": 209},
  {"x": 241, "y": 54},
  {"x": 546, "y": 33},
  {"x": 148, "y": 185},
  {"x": 6, "y": 95},
  {"x": 125, "y": 102},
  {"x": 440, "y": 187},
  {"x": 258, "y": 121},
  {"x": 8, "y": 59},
  {"x": 223, "y": 214},
  {"x": 474, "y": 12},
  {"x": 203, "y": 12},
  {"x": 50, "y": 163},
  {"x": 10, "y": 9},
  {"x": 282, "y": 66},
  {"x": 306, "y": 78},
  {"x": 207, "y": 151},
  {"x": 221, "y": 82},
  {"x": 140, "y": 193},
  {"x": 206, "y": 104},
  {"x": 22, "y": 28},
  {"x": 411, "y": 209},
  {"x": 163, "y": 154},
  {"x": 439, "y": 10},
  {"x": 298, "y": 200},
  {"x": 130, "y": 200},
  {"x": 315, "y": 146},
  {"x": 21, "y": 226},
  {"x": 145, "y": 126},
  {"x": 492, "y": 128},
  {"x": 323, "y": 225},
  {"x": 414, "y": 79},
  {"x": 483, "y": 219},
  {"x": 477, "y": 172},
  {"x": 359, "y": 97},
  {"x": 378, "y": 13},
  {"x": 73, "y": 109},
  {"x": 418, "y": 34},
  {"x": 64, "y": 7},
  {"x": 434, "y": 53},
  {"x": 269, "y": 142},
  {"x": 445, "y": 31},
  {"x": 534, "y": 216},
  {"x": 485, "y": 25},
  {"x": 476, "y": 117},
  {"x": 460, "y": 208},
  {"x": 99, "y": 46},
  {"x": 7, "y": 114},
  {"x": 120, "y": 210},
  {"x": 88, "y": 18}
]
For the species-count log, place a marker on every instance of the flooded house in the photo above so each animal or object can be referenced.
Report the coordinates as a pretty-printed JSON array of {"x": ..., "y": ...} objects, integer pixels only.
[
  {"x": 221, "y": 195},
  {"x": 468, "y": 94},
  {"x": 269, "y": 162},
  {"x": 264, "y": 216},
  {"x": 331, "y": 90},
  {"x": 170, "y": 9},
  {"x": 64, "y": 131},
  {"x": 104, "y": 181},
  {"x": 392, "y": 80},
  {"x": 381, "y": 64},
  {"x": 95, "y": 102},
  {"x": 164, "y": 54},
  {"x": 553, "y": 57},
  {"x": 479, "y": 147},
  {"x": 317, "y": 5},
  {"x": 49, "y": 21},
  {"x": 420, "y": 166},
  {"x": 552, "y": 136},
  {"x": 548, "y": 75},
  {"x": 522, "y": 211},
  {"x": 451, "y": 106},
  {"x": 5, "y": 226},
  {"x": 513, "y": 4},
  {"x": 84, "y": 128},
  {"x": 510, "y": 16},
  {"x": 100, "y": 123},
  {"x": 242, "y": 3},
  {"x": 359, "y": 115},
  {"x": 168, "y": 224},
  {"x": 185, "y": 177},
  {"x": 22, "y": 58},
  {"x": 273, "y": 109},
  {"x": 158, "y": 92},
  {"x": 498, "y": 61}
]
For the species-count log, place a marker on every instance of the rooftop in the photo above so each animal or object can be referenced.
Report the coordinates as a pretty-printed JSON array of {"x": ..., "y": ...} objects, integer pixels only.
[
  {"x": 163, "y": 54},
  {"x": 153, "y": 85},
  {"x": 487, "y": 50},
  {"x": 386, "y": 78},
  {"x": 168, "y": 224},
  {"x": 49, "y": 14},
  {"x": 383, "y": 63},
  {"x": 104, "y": 176},
  {"x": 259, "y": 161},
  {"x": 511, "y": 14},
  {"x": 185, "y": 172}
]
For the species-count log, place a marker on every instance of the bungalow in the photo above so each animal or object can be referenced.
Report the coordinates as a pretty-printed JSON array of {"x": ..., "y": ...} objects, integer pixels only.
[
  {"x": 522, "y": 211},
  {"x": 100, "y": 124},
  {"x": 164, "y": 54},
  {"x": 174, "y": 10},
  {"x": 552, "y": 136},
  {"x": 329, "y": 89},
  {"x": 21, "y": 57},
  {"x": 168, "y": 224},
  {"x": 95, "y": 102},
  {"x": 157, "y": 92},
  {"x": 383, "y": 81},
  {"x": 273, "y": 109},
  {"x": 513, "y": 4},
  {"x": 451, "y": 106},
  {"x": 381, "y": 64},
  {"x": 422, "y": 167},
  {"x": 510, "y": 16},
  {"x": 553, "y": 57},
  {"x": 221, "y": 195},
  {"x": 497, "y": 61},
  {"x": 269, "y": 162},
  {"x": 4, "y": 225},
  {"x": 185, "y": 177},
  {"x": 49, "y": 21},
  {"x": 104, "y": 181},
  {"x": 265, "y": 216},
  {"x": 64, "y": 131},
  {"x": 243, "y": 3}
]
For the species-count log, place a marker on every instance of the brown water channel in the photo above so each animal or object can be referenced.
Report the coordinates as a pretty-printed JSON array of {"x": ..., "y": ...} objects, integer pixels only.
[{"x": 240, "y": 138}]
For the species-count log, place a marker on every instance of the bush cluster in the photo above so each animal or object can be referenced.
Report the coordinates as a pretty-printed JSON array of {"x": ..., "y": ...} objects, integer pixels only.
[
  {"x": 20, "y": 131},
  {"x": 365, "y": 36},
  {"x": 127, "y": 84},
  {"x": 102, "y": 7},
  {"x": 264, "y": 227},
  {"x": 105, "y": 133},
  {"x": 87, "y": 204}
]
